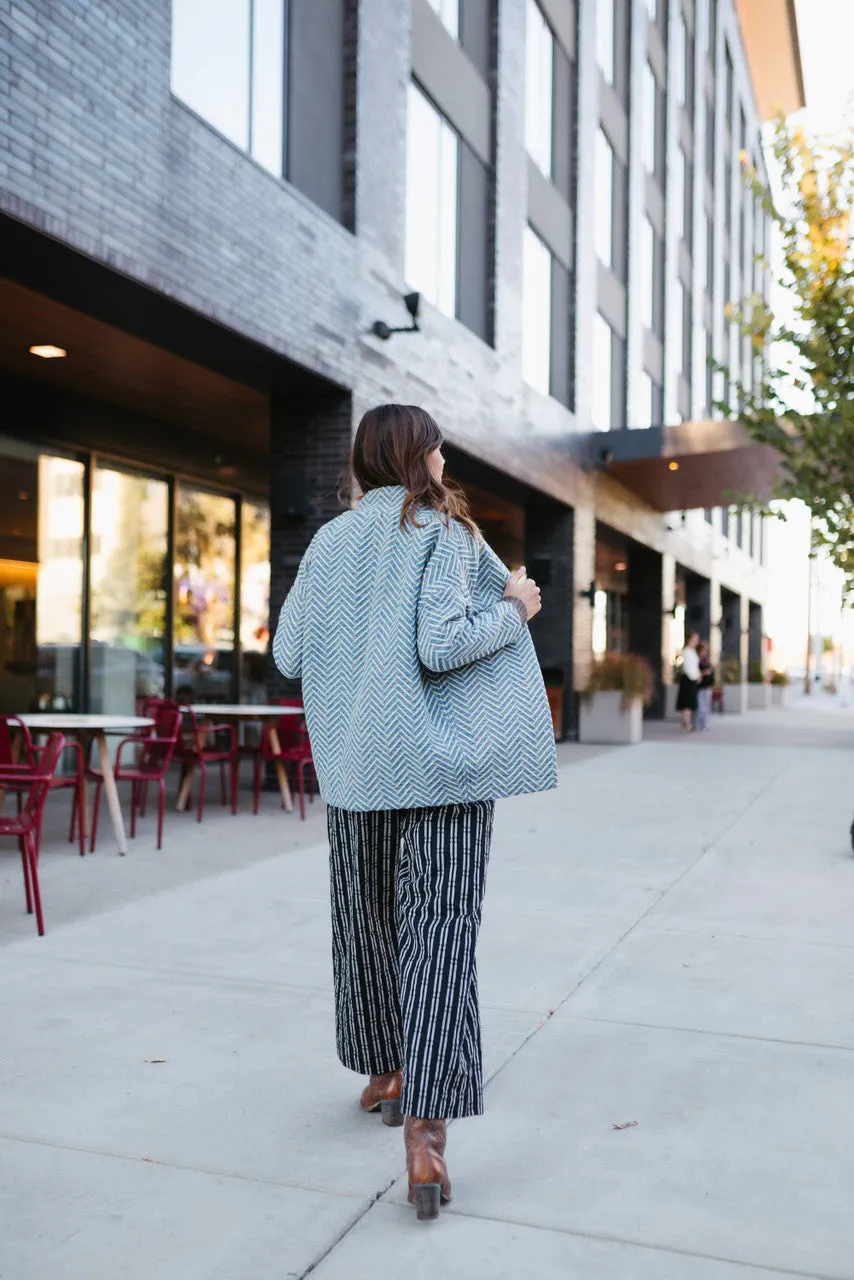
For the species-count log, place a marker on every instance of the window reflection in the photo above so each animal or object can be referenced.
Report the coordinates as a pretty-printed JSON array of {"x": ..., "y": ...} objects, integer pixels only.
[
  {"x": 449, "y": 12},
  {"x": 41, "y": 579},
  {"x": 605, "y": 38},
  {"x": 601, "y": 406},
  {"x": 604, "y": 199},
  {"x": 539, "y": 64},
  {"x": 130, "y": 515},
  {"x": 432, "y": 163},
  {"x": 204, "y": 568},
  {"x": 254, "y": 600},
  {"x": 536, "y": 312},
  {"x": 228, "y": 64}
]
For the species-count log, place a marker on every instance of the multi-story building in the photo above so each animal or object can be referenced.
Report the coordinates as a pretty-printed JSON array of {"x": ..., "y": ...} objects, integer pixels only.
[{"x": 208, "y": 206}]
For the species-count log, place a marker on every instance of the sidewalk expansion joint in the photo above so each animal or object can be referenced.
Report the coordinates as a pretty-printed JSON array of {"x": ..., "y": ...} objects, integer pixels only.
[
  {"x": 762, "y": 1268},
  {"x": 708, "y": 1031}
]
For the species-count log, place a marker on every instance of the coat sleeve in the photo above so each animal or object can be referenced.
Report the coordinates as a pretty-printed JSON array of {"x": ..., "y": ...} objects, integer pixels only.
[
  {"x": 288, "y": 641},
  {"x": 451, "y": 632}
]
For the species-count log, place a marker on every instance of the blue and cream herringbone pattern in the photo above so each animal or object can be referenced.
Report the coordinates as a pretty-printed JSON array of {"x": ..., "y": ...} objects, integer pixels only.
[{"x": 420, "y": 682}]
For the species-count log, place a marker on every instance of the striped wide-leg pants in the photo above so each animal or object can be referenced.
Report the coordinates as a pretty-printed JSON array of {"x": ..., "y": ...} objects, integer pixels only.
[{"x": 407, "y": 890}]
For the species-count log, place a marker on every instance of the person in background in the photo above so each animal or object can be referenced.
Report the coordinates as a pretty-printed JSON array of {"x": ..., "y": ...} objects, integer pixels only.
[
  {"x": 689, "y": 683},
  {"x": 707, "y": 684}
]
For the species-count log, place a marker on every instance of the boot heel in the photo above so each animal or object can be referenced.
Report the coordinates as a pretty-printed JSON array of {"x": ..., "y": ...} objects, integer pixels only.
[
  {"x": 426, "y": 1197},
  {"x": 392, "y": 1114}
]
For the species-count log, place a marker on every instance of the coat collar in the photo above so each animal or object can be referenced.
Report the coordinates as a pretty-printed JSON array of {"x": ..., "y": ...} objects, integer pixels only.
[{"x": 384, "y": 498}]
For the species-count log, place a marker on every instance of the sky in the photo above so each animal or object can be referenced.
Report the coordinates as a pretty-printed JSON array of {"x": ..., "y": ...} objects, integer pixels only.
[{"x": 826, "y": 32}]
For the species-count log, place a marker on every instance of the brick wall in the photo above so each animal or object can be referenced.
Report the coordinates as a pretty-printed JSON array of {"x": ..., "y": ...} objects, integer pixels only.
[{"x": 310, "y": 445}]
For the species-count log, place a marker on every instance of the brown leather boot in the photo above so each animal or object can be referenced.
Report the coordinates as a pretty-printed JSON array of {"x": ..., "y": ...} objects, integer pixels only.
[
  {"x": 383, "y": 1094},
  {"x": 429, "y": 1183}
]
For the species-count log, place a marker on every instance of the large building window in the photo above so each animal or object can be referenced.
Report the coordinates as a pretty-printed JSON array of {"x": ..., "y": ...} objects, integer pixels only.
[
  {"x": 539, "y": 88},
  {"x": 254, "y": 599},
  {"x": 642, "y": 416},
  {"x": 449, "y": 12},
  {"x": 536, "y": 313},
  {"x": 41, "y": 579},
  {"x": 204, "y": 603},
  {"x": 600, "y": 405},
  {"x": 647, "y": 272},
  {"x": 432, "y": 180},
  {"x": 652, "y": 137},
  {"x": 129, "y": 588},
  {"x": 605, "y": 27},
  {"x": 684, "y": 65},
  {"x": 605, "y": 162},
  {"x": 228, "y": 64}
]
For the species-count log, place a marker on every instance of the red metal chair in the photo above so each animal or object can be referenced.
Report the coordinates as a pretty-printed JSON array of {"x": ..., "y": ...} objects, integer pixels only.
[
  {"x": 294, "y": 749},
  {"x": 155, "y": 751},
  {"x": 204, "y": 744},
  {"x": 26, "y": 825},
  {"x": 27, "y": 756}
]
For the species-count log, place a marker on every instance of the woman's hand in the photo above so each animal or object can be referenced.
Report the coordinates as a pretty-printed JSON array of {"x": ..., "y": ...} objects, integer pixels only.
[{"x": 521, "y": 587}]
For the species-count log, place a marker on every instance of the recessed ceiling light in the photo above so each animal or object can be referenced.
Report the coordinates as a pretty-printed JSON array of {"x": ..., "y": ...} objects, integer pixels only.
[
  {"x": 48, "y": 352},
  {"x": 621, "y": 566},
  {"x": 673, "y": 466},
  {"x": 23, "y": 496}
]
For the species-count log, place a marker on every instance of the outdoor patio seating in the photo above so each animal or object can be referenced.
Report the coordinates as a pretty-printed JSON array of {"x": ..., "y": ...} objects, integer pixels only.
[
  {"x": 20, "y": 759},
  {"x": 203, "y": 744},
  {"x": 291, "y": 747},
  {"x": 155, "y": 749},
  {"x": 25, "y": 826}
]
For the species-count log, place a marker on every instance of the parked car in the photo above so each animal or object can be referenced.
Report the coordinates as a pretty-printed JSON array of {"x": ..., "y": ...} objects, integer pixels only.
[{"x": 202, "y": 674}]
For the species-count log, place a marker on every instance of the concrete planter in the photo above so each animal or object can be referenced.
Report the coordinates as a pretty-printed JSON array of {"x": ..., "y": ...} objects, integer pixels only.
[
  {"x": 671, "y": 693},
  {"x": 735, "y": 699},
  {"x": 779, "y": 695},
  {"x": 604, "y": 721},
  {"x": 758, "y": 697}
]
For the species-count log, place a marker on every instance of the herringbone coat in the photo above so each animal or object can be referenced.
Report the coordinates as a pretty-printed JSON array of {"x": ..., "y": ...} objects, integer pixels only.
[{"x": 420, "y": 682}]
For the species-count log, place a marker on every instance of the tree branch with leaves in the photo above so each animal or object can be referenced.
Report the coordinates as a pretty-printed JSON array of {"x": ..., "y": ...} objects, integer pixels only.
[{"x": 802, "y": 402}]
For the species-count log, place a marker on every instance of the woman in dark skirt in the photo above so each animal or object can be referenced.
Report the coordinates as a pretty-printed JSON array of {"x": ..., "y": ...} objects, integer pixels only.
[{"x": 689, "y": 682}]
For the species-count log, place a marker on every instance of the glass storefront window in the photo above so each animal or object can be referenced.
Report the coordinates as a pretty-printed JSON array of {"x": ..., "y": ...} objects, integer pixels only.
[
  {"x": 41, "y": 579},
  {"x": 204, "y": 573},
  {"x": 130, "y": 520},
  {"x": 254, "y": 600}
]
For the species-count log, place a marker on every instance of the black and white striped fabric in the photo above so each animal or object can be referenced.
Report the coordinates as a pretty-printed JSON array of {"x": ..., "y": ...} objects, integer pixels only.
[{"x": 407, "y": 890}]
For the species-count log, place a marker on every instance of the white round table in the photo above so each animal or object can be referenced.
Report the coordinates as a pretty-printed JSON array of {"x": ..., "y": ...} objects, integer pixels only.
[
  {"x": 232, "y": 713},
  {"x": 86, "y": 729}
]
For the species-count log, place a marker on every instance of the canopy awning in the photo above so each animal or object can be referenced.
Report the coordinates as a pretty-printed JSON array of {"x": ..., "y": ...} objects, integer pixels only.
[{"x": 694, "y": 464}]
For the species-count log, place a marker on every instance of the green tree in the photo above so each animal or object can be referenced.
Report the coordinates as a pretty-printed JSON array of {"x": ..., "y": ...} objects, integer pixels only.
[{"x": 802, "y": 401}]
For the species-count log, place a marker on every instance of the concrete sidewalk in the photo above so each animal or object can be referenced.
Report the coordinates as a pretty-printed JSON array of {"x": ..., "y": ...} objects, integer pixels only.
[{"x": 668, "y": 939}]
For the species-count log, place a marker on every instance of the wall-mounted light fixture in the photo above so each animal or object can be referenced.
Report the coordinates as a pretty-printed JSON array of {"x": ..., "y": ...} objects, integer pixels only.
[
  {"x": 673, "y": 466},
  {"x": 412, "y": 302}
]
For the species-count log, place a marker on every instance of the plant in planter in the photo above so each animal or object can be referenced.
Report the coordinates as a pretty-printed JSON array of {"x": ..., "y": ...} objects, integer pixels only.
[
  {"x": 731, "y": 671},
  {"x": 758, "y": 691},
  {"x": 734, "y": 691},
  {"x": 619, "y": 687}
]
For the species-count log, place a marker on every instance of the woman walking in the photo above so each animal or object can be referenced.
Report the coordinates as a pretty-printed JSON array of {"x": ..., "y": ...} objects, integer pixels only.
[
  {"x": 689, "y": 683},
  {"x": 424, "y": 703}
]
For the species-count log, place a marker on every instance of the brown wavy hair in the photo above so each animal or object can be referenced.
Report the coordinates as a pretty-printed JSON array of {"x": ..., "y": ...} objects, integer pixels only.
[{"x": 392, "y": 445}]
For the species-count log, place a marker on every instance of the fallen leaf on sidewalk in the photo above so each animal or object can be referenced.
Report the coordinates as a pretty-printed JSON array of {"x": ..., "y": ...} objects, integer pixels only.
[
  {"x": 629, "y": 1124},
  {"x": 150, "y": 1060}
]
